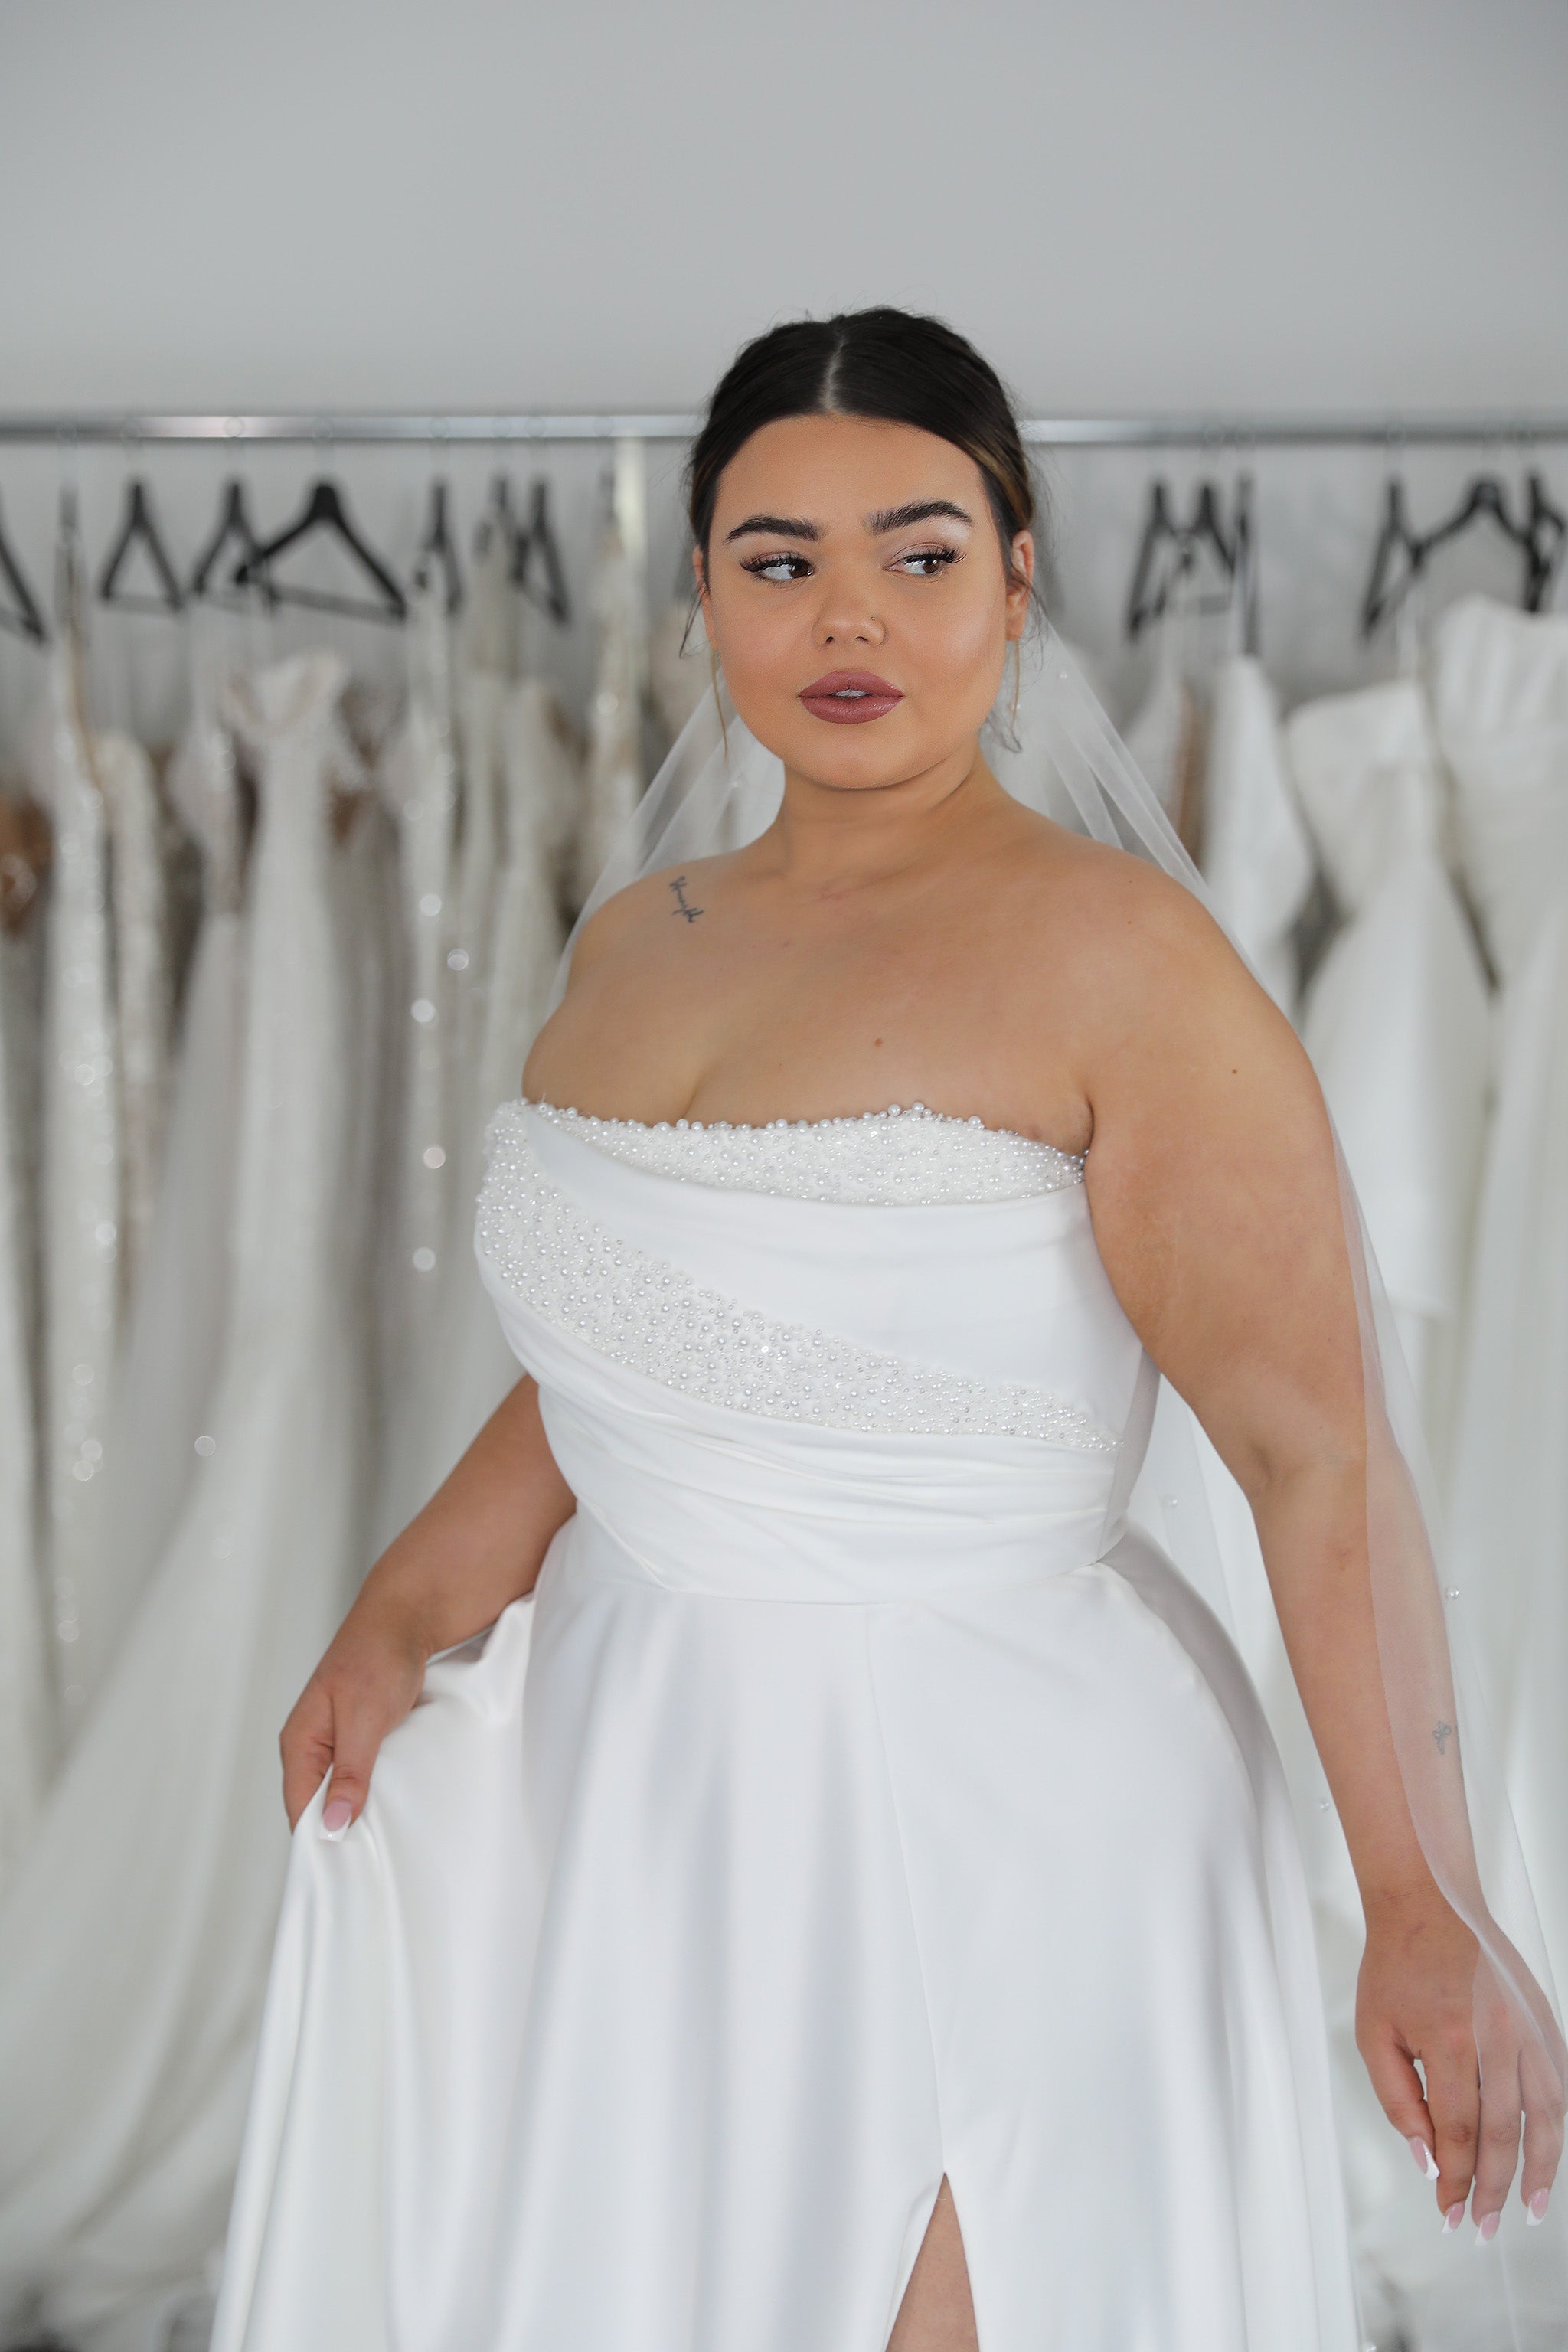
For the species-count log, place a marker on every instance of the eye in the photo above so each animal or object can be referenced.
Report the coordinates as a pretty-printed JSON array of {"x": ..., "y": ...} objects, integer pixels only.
[
  {"x": 785, "y": 567},
  {"x": 926, "y": 562}
]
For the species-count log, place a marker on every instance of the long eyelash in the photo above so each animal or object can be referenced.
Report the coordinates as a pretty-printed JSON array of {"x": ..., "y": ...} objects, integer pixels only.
[
  {"x": 766, "y": 563},
  {"x": 930, "y": 555}
]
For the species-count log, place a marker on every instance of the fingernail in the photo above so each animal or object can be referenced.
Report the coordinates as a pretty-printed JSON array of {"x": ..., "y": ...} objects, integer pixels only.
[
  {"x": 1424, "y": 2160},
  {"x": 1486, "y": 2231},
  {"x": 1453, "y": 2217},
  {"x": 1535, "y": 2212},
  {"x": 336, "y": 1818}
]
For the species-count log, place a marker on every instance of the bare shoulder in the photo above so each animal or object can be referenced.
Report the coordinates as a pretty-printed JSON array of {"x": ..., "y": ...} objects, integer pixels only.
[
  {"x": 1097, "y": 919},
  {"x": 631, "y": 918}
]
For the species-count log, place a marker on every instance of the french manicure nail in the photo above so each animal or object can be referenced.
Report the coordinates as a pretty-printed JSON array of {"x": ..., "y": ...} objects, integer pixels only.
[
  {"x": 336, "y": 1818},
  {"x": 1453, "y": 2217},
  {"x": 1535, "y": 2212},
  {"x": 1424, "y": 2160},
  {"x": 1486, "y": 2231}
]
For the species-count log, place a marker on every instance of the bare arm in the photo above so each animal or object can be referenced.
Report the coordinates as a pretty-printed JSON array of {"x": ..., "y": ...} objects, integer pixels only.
[
  {"x": 478, "y": 1544},
  {"x": 1214, "y": 1195}
]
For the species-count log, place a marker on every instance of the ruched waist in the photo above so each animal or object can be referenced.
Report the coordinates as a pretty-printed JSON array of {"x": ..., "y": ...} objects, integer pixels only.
[{"x": 811, "y": 1515}]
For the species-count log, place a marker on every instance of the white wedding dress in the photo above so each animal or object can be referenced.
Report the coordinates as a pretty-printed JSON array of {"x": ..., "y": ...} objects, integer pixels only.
[
  {"x": 1500, "y": 692},
  {"x": 418, "y": 782},
  {"x": 27, "y": 1695},
  {"x": 1256, "y": 855},
  {"x": 1397, "y": 1019},
  {"x": 126, "y": 2029},
  {"x": 464, "y": 1368},
  {"x": 172, "y": 1349},
  {"x": 80, "y": 1178},
  {"x": 144, "y": 984},
  {"x": 859, "y": 1800}
]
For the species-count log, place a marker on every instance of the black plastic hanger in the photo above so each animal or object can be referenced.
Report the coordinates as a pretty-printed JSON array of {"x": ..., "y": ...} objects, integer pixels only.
[
  {"x": 436, "y": 552},
  {"x": 1401, "y": 554},
  {"x": 324, "y": 510},
  {"x": 234, "y": 533},
  {"x": 537, "y": 536},
  {"x": 1181, "y": 543},
  {"x": 21, "y": 615},
  {"x": 140, "y": 530},
  {"x": 1547, "y": 526}
]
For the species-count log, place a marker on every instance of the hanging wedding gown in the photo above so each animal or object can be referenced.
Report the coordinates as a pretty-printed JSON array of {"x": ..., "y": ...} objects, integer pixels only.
[
  {"x": 1257, "y": 857},
  {"x": 143, "y": 984},
  {"x": 802, "y": 1840},
  {"x": 163, "y": 1386},
  {"x": 467, "y": 1368},
  {"x": 418, "y": 782},
  {"x": 485, "y": 680},
  {"x": 1500, "y": 694},
  {"x": 27, "y": 1711},
  {"x": 613, "y": 777},
  {"x": 133, "y": 1949},
  {"x": 80, "y": 1175},
  {"x": 1397, "y": 1019}
]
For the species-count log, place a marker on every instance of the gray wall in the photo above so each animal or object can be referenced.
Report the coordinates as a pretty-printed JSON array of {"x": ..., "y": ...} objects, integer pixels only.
[
  {"x": 1166, "y": 203},
  {"x": 469, "y": 203}
]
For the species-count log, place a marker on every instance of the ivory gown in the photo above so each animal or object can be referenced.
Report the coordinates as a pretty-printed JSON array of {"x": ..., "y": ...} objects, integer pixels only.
[
  {"x": 858, "y": 1799},
  {"x": 1500, "y": 692}
]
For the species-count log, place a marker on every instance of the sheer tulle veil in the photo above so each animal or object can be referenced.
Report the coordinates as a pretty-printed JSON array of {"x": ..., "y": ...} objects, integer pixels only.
[{"x": 1059, "y": 753}]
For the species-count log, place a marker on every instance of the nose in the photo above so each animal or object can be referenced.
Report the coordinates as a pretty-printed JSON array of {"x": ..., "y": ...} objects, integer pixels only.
[{"x": 845, "y": 618}]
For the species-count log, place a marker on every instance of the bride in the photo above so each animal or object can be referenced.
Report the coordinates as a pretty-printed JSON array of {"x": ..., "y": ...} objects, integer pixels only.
[{"x": 783, "y": 1863}]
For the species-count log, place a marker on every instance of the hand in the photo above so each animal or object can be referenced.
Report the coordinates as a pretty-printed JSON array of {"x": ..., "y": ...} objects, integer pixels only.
[
  {"x": 1425, "y": 1992},
  {"x": 365, "y": 1685}
]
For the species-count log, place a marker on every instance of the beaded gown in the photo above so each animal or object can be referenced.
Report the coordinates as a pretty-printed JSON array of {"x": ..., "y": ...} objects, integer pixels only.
[{"x": 858, "y": 1799}]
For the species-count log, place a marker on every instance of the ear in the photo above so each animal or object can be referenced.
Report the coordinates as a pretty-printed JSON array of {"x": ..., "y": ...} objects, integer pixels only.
[
  {"x": 700, "y": 574},
  {"x": 1021, "y": 582}
]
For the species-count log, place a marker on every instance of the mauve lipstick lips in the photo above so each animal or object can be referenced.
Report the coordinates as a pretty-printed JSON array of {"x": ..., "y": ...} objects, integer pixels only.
[{"x": 847, "y": 697}]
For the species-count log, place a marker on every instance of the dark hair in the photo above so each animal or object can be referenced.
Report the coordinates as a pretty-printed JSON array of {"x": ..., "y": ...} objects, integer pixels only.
[{"x": 891, "y": 365}]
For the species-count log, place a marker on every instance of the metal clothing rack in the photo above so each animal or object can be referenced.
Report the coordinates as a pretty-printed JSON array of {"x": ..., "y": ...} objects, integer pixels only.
[{"x": 67, "y": 429}]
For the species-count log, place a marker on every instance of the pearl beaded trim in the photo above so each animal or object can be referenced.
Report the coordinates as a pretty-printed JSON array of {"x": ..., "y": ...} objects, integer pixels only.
[
  {"x": 882, "y": 1158},
  {"x": 646, "y": 1314}
]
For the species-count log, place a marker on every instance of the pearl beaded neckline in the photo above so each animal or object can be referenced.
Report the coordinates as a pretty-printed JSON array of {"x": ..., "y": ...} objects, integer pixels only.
[
  {"x": 893, "y": 1158},
  {"x": 641, "y": 1310}
]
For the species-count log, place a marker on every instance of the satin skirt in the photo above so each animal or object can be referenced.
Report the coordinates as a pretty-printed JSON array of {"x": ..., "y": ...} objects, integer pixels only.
[{"x": 694, "y": 1931}]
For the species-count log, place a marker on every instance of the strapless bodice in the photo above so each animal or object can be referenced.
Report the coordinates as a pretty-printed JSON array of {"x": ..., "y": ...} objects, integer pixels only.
[{"x": 819, "y": 1357}]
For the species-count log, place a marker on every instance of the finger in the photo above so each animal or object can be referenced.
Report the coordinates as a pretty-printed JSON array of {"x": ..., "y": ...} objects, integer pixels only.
[
  {"x": 358, "y": 1728},
  {"x": 1497, "y": 2150},
  {"x": 1454, "y": 2103},
  {"x": 1392, "y": 2075},
  {"x": 1541, "y": 2090},
  {"x": 305, "y": 1744}
]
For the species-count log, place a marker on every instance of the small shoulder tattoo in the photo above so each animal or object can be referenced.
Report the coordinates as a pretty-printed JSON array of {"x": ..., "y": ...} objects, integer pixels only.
[{"x": 680, "y": 907}]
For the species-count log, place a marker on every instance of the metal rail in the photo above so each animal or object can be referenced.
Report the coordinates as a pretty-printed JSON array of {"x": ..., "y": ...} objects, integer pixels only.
[{"x": 67, "y": 429}]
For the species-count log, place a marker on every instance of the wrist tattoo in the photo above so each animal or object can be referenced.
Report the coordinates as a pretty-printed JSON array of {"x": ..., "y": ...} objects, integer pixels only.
[{"x": 1442, "y": 1733}]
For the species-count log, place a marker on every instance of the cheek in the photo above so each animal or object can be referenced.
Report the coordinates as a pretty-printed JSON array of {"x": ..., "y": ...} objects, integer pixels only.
[{"x": 758, "y": 645}]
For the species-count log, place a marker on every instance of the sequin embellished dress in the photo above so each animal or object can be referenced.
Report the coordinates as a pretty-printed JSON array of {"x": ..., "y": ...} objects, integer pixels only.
[{"x": 857, "y": 1801}]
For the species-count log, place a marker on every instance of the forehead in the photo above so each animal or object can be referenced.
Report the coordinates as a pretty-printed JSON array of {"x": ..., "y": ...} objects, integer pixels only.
[{"x": 836, "y": 470}]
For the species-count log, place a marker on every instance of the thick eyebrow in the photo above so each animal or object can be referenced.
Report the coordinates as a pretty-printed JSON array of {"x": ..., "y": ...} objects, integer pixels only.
[
  {"x": 918, "y": 511},
  {"x": 773, "y": 527}
]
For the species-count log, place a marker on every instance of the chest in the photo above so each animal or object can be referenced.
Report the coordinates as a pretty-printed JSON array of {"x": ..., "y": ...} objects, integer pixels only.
[{"x": 750, "y": 1014}]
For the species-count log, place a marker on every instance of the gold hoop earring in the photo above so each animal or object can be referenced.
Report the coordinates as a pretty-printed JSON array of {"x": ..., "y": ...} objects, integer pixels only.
[{"x": 1017, "y": 677}]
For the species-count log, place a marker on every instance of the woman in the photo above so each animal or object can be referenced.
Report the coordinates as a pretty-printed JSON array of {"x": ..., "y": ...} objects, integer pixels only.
[{"x": 879, "y": 1925}]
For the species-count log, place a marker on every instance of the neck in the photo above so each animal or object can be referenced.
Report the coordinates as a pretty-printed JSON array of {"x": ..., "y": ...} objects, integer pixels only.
[{"x": 834, "y": 836}]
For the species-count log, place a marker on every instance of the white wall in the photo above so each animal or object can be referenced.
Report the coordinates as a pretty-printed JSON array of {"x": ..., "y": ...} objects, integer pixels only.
[{"x": 476, "y": 202}]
